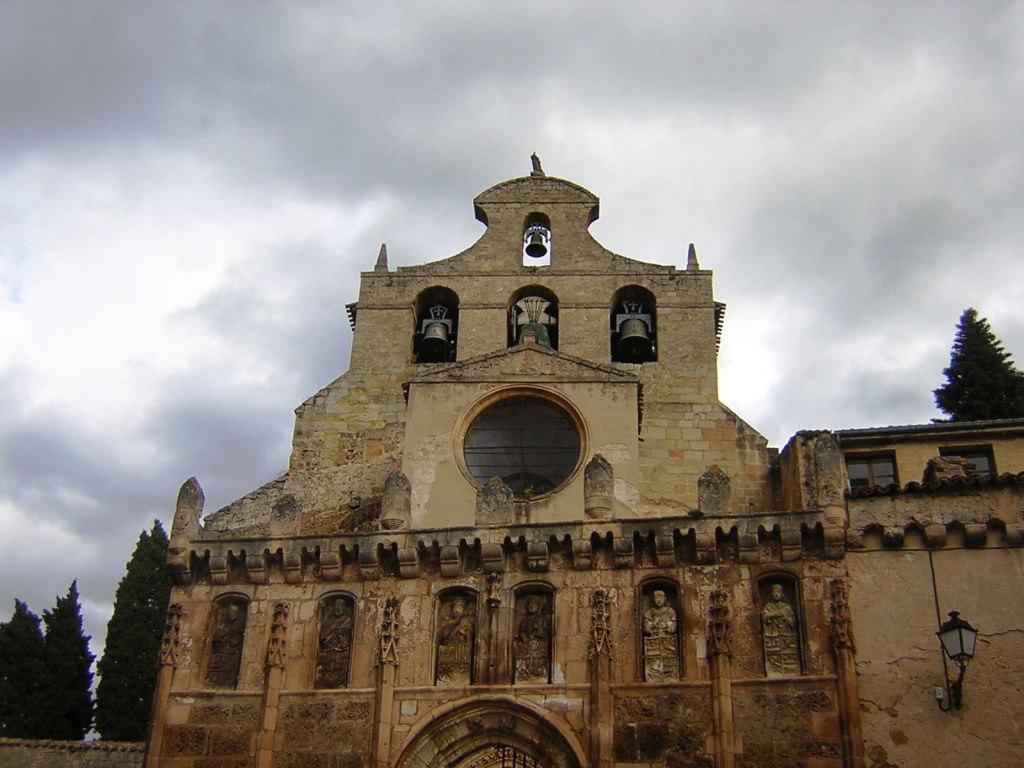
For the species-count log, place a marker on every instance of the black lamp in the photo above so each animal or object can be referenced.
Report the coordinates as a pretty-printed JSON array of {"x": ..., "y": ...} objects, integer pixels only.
[{"x": 958, "y": 638}]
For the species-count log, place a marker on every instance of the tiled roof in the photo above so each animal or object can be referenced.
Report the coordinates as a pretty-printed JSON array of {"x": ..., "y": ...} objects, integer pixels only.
[{"x": 943, "y": 484}]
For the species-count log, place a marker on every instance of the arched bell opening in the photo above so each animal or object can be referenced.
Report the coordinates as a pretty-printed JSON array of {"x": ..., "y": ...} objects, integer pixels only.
[
  {"x": 491, "y": 733},
  {"x": 633, "y": 319},
  {"x": 533, "y": 313},
  {"x": 537, "y": 240},
  {"x": 437, "y": 326}
]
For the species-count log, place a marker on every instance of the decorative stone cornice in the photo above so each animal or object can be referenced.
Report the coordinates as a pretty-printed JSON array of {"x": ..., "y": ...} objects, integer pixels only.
[{"x": 456, "y": 552}]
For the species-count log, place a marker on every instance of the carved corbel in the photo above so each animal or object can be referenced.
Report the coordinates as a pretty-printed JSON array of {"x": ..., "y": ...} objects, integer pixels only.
[
  {"x": 492, "y": 558},
  {"x": 451, "y": 560},
  {"x": 935, "y": 535},
  {"x": 835, "y": 542},
  {"x": 855, "y": 538},
  {"x": 622, "y": 550},
  {"x": 537, "y": 556},
  {"x": 582, "y": 554},
  {"x": 330, "y": 565},
  {"x": 218, "y": 569},
  {"x": 369, "y": 562},
  {"x": 1015, "y": 534},
  {"x": 706, "y": 547},
  {"x": 256, "y": 567},
  {"x": 790, "y": 539},
  {"x": 748, "y": 545},
  {"x": 409, "y": 562},
  {"x": 975, "y": 534},
  {"x": 292, "y": 567},
  {"x": 893, "y": 536},
  {"x": 665, "y": 550}
]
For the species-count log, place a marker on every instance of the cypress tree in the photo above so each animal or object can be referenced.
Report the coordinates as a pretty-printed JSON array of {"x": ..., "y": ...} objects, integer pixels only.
[
  {"x": 981, "y": 380},
  {"x": 23, "y": 696},
  {"x": 68, "y": 680},
  {"x": 128, "y": 669}
]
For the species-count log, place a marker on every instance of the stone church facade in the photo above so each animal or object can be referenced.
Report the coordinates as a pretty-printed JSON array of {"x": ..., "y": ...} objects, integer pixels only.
[{"x": 522, "y": 530}]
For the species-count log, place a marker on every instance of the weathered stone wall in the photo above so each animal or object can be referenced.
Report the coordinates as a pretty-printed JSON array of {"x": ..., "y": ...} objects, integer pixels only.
[
  {"x": 32, "y": 753},
  {"x": 782, "y": 724},
  {"x": 664, "y": 727},
  {"x": 328, "y": 731},
  {"x": 212, "y": 730}
]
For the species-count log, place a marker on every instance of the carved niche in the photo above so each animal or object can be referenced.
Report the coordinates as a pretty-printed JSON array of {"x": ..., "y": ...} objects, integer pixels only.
[
  {"x": 780, "y": 627},
  {"x": 660, "y": 627},
  {"x": 227, "y": 637},
  {"x": 531, "y": 647},
  {"x": 456, "y": 638},
  {"x": 334, "y": 646}
]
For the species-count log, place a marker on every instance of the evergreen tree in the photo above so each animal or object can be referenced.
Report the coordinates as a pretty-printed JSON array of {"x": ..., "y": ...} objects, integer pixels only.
[
  {"x": 128, "y": 669},
  {"x": 68, "y": 679},
  {"x": 23, "y": 696},
  {"x": 981, "y": 380}
]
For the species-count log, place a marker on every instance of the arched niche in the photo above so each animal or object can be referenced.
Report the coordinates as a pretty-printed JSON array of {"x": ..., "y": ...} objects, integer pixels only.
[
  {"x": 436, "y": 333},
  {"x": 532, "y": 631},
  {"x": 336, "y": 615},
  {"x": 661, "y": 623},
  {"x": 533, "y": 309},
  {"x": 782, "y": 626},
  {"x": 227, "y": 639},
  {"x": 536, "y": 240},
  {"x": 633, "y": 326},
  {"x": 476, "y": 733},
  {"x": 457, "y": 629}
]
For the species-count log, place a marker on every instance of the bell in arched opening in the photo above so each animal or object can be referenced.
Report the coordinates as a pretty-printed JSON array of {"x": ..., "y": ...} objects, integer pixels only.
[
  {"x": 435, "y": 336},
  {"x": 537, "y": 237},
  {"x": 633, "y": 326}
]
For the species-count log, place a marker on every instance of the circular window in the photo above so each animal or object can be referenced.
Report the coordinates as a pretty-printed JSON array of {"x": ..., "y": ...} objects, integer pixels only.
[{"x": 529, "y": 442}]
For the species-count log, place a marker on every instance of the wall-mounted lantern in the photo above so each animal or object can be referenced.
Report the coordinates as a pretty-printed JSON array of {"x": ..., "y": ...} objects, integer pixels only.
[{"x": 958, "y": 638}]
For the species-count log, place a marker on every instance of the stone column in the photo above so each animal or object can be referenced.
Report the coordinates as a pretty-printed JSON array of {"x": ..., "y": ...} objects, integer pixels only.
[
  {"x": 387, "y": 669},
  {"x": 601, "y": 652},
  {"x": 846, "y": 678},
  {"x": 272, "y": 680},
  {"x": 720, "y": 655},
  {"x": 161, "y": 694}
]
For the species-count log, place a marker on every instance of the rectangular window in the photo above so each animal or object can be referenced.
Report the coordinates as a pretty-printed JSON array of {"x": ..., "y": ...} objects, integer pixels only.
[
  {"x": 869, "y": 471},
  {"x": 979, "y": 457}
]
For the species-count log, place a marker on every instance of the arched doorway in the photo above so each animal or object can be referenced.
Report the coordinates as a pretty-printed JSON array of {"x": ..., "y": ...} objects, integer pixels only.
[{"x": 491, "y": 733}]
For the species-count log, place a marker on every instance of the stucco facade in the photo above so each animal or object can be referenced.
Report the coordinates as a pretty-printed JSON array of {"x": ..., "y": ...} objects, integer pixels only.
[{"x": 644, "y": 582}]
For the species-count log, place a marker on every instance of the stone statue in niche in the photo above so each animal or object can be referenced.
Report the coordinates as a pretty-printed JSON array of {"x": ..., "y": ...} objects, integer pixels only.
[
  {"x": 661, "y": 637},
  {"x": 226, "y": 644},
  {"x": 779, "y": 633},
  {"x": 532, "y": 646},
  {"x": 335, "y": 646},
  {"x": 455, "y": 640}
]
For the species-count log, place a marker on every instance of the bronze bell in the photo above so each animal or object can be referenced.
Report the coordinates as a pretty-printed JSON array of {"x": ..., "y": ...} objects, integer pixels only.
[
  {"x": 535, "y": 246},
  {"x": 634, "y": 341},
  {"x": 434, "y": 344}
]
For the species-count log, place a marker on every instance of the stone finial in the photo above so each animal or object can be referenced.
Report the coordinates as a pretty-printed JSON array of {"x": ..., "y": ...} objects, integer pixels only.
[
  {"x": 382, "y": 259},
  {"x": 187, "y": 511},
  {"x": 396, "y": 506},
  {"x": 713, "y": 491},
  {"x": 494, "y": 503},
  {"x": 535, "y": 161},
  {"x": 598, "y": 487},
  {"x": 691, "y": 259}
]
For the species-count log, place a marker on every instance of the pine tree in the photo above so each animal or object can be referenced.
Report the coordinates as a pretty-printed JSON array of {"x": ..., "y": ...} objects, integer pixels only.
[
  {"x": 68, "y": 680},
  {"x": 981, "y": 380},
  {"x": 23, "y": 696},
  {"x": 128, "y": 668}
]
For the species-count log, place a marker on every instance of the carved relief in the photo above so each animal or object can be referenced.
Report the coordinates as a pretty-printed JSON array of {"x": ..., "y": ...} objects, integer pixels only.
[
  {"x": 456, "y": 638},
  {"x": 780, "y": 633},
  {"x": 600, "y": 627},
  {"x": 229, "y": 616},
  {"x": 532, "y": 646},
  {"x": 278, "y": 634},
  {"x": 661, "y": 635},
  {"x": 389, "y": 633},
  {"x": 842, "y": 625},
  {"x": 172, "y": 636},
  {"x": 718, "y": 625},
  {"x": 334, "y": 648},
  {"x": 713, "y": 491}
]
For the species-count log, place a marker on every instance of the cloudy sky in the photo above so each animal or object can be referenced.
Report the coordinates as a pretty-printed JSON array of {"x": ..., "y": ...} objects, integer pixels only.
[{"x": 189, "y": 190}]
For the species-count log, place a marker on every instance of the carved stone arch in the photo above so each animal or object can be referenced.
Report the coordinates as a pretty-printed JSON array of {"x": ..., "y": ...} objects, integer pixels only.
[
  {"x": 336, "y": 621},
  {"x": 435, "y": 335},
  {"x": 781, "y": 619},
  {"x": 532, "y": 634},
  {"x": 533, "y": 309},
  {"x": 660, "y": 628},
  {"x": 456, "y": 636},
  {"x": 471, "y": 733},
  {"x": 226, "y": 634},
  {"x": 633, "y": 325}
]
